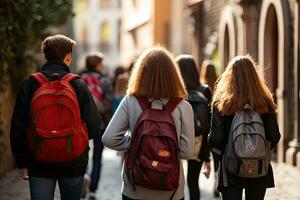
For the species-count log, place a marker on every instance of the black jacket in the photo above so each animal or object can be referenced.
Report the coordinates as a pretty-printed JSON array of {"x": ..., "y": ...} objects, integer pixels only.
[
  {"x": 205, "y": 149},
  {"x": 21, "y": 119},
  {"x": 220, "y": 128}
]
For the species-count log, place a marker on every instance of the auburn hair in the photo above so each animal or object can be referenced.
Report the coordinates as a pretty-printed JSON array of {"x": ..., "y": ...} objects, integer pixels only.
[
  {"x": 241, "y": 84},
  {"x": 156, "y": 75},
  {"x": 208, "y": 74}
]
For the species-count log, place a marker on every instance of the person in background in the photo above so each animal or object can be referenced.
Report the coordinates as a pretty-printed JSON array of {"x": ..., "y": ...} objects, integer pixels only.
[
  {"x": 208, "y": 76},
  {"x": 100, "y": 86},
  {"x": 155, "y": 77},
  {"x": 33, "y": 164},
  {"x": 120, "y": 90},
  {"x": 199, "y": 96},
  {"x": 240, "y": 86},
  {"x": 118, "y": 71},
  {"x": 121, "y": 83}
]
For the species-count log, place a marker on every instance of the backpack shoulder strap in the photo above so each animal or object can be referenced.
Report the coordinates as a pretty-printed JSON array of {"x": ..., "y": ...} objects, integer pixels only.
[
  {"x": 171, "y": 105},
  {"x": 69, "y": 77},
  {"x": 40, "y": 78},
  {"x": 143, "y": 101}
]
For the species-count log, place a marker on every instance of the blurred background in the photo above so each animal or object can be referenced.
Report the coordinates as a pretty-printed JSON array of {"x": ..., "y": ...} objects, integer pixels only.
[{"x": 217, "y": 30}]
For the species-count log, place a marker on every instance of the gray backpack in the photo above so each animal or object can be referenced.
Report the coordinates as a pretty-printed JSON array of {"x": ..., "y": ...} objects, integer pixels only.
[{"x": 247, "y": 153}]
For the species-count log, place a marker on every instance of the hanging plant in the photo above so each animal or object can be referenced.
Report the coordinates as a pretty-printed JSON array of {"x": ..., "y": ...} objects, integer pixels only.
[{"x": 23, "y": 24}]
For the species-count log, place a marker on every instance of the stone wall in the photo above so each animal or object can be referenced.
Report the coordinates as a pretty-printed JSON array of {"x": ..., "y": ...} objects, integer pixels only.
[
  {"x": 211, "y": 17},
  {"x": 6, "y": 108}
]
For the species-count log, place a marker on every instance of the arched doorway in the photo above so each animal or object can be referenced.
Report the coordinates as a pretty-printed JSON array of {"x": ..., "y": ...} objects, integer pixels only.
[
  {"x": 270, "y": 61},
  {"x": 226, "y": 47},
  {"x": 227, "y": 37},
  {"x": 273, "y": 56}
]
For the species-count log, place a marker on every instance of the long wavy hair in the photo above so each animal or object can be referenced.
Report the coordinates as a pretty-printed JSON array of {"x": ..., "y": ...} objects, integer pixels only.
[
  {"x": 240, "y": 84},
  {"x": 156, "y": 75}
]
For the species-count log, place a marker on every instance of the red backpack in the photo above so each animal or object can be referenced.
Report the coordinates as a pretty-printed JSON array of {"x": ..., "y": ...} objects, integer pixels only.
[
  {"x": 56, "y": 132},
  {"x": 93, "y": 80},
  {"x": 152, "y": 160}
]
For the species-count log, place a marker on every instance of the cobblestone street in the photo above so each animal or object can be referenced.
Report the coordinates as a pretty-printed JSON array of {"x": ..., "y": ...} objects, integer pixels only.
[{"x": 287, "y": 183}]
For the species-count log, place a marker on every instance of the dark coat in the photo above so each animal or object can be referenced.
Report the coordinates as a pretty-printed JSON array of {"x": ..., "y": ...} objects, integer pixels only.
[
  {"x": 205, "y": 149},
  {"x": 220, "y": 127},
  {"x": 21, "y": 119}
]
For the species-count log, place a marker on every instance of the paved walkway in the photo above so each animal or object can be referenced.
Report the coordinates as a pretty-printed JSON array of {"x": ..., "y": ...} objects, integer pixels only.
[{"x": 287, "y": 183}]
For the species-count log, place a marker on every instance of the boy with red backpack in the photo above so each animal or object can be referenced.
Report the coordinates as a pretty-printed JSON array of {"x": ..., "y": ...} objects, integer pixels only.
[
  {"x": 53, "y": 118},
  {"x": 100, "y": 86}
]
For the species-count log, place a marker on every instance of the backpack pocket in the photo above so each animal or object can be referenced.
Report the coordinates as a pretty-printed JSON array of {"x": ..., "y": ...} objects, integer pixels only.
[
  {"x": 249, "y": 168},
  {"x": 49, "y": 144},
  {"x": 155, "y": 165},
  {"x": 57, "y": 146},
  {"x": 247, "y": 146},
  {"x": 154, "y": 174}
]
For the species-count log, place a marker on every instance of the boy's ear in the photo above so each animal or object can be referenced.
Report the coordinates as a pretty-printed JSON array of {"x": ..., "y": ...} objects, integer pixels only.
[{"x": 68, "y": 59}]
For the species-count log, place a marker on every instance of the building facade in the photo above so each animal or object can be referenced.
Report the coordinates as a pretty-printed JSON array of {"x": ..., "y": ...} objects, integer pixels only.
[
  {"x": 96, "y": 28},
  {"x": 268, "y": 30},
  {"x": 146, "y": 23}
]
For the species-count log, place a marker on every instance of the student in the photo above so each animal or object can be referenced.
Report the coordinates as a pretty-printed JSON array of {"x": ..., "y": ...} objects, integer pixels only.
[
  {"x": 118, "y": 71},
  {"x": 199, "y": 95},
  {"x": 241, "y": 92},
  {"x": 100, "y": 86},
  {"x": 157, "y": 78},
  {"x": 45, "y": 120},
  {"x": 208, "y": 76},
  {"x": 120, "y": 90}
]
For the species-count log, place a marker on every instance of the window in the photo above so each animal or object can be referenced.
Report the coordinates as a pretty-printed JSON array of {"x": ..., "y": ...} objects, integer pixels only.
[
  {"x": 84, "y": 36},
  {"x": 105, "y": 36},
  {"x": 80, "y": 6},
  {"x": 106, "y": 3}
]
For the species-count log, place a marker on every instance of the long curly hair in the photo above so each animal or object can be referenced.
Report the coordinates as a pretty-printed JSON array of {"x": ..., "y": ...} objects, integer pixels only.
[{"x": 241, "y": 84}]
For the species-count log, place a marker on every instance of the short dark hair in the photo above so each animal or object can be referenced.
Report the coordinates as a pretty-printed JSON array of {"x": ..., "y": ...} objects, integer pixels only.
[
  {"x": 56, "y": 47},
  {"x": 93, "y": 59}
]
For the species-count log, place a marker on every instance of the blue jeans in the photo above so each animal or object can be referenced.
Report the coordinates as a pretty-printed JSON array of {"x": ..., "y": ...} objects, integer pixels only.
[
  {"x": 96, "y": 167},
  {"x": 44, "y": 188}
]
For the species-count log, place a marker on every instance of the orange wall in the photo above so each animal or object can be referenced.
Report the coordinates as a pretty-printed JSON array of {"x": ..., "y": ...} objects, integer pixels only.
[{"x": 161, "y": 22}]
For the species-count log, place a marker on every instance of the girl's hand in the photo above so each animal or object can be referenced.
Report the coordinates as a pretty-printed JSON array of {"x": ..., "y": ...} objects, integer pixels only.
[
  {"x": 207, "y": 166},
  {"x": 23, "y": 173}
]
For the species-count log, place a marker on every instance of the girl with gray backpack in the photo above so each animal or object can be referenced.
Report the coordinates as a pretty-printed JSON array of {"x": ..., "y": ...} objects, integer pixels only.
[{"x": 243, "y": 131}]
